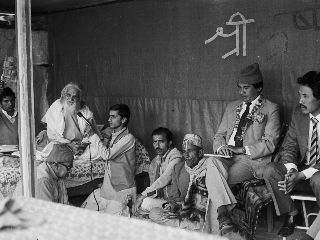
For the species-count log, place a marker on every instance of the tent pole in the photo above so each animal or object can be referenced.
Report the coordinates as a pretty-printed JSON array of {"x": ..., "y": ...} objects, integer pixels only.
[{"x": 25, "y": 96}]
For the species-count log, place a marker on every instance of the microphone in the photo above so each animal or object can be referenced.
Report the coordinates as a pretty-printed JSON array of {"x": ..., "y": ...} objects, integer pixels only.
[
  {"x": 86, "y": 120},
  {"x": 93, "y": 127}
]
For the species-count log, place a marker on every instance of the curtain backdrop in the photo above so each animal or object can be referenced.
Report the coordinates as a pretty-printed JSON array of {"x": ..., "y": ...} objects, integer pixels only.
[{"x": 151, "y": 55}]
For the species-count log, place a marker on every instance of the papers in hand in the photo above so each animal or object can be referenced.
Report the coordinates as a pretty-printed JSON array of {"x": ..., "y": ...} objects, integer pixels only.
[
  {"x": 8, "y": 148},
  {"x": 216, "y": 155}
]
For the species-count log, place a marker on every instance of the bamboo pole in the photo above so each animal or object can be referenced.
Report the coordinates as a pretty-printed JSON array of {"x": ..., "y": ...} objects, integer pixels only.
[{"x": 25, "y": 96}]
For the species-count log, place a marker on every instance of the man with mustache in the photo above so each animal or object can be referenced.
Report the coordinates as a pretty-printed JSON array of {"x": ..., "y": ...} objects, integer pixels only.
[
  {"x": 186, "y": 208},
  {"x": 246, "y": 138},
  {"x": 64, "y": 125},
  {"x": 299, "y": 165},
  {"x": 8, "y": 118},
  {"x": 160, "y": 171}
]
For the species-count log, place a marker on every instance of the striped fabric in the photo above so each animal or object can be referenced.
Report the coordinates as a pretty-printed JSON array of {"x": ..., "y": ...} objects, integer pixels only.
[{"x": 314, "y": 149}]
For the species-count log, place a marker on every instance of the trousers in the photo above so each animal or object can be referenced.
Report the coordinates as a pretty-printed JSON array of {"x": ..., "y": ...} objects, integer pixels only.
[{"x": 273, "y": 173}]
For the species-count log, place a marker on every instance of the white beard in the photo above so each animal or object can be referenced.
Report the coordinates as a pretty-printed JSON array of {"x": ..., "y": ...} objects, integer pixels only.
[{"x": 72, "y": 109}]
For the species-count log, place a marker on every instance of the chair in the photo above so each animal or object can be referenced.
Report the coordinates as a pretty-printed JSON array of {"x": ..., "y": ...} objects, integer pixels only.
[
  {"x": 252, "y": 196},
  {"x": 303, "y": 197}
]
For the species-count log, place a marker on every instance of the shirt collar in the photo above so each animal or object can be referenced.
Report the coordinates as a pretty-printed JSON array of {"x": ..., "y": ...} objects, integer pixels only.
[
  {"x": 163, "y": 157},
  {"x": 8, "y": 116},
  {"x": 254, "y": 101},
  {"x": 115, "y": 134},
  {"x": 316, "y": 117}
]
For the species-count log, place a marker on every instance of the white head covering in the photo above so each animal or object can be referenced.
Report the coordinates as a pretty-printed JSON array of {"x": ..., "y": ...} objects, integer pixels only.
[{"x": 193, "y": 139}]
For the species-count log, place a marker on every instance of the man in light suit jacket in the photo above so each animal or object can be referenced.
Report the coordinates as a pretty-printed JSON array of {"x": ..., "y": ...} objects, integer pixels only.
[
  {"x": 299, "y": 164},
  {"x": 247, "y": 136}
]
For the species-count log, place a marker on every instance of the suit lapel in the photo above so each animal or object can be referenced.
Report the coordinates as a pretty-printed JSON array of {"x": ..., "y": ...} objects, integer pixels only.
[
  {"x": 304, "y": 124},
  {"x": 262, "y": 101},
  {"x": 258, "y": 105}
]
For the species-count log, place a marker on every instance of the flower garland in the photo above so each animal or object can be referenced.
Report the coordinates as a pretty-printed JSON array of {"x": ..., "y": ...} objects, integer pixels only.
[{"x": 251, "y": 117}]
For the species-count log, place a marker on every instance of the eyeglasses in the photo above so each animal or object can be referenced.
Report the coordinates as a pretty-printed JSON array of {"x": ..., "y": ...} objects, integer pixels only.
[{"x": 68, "y": 167}]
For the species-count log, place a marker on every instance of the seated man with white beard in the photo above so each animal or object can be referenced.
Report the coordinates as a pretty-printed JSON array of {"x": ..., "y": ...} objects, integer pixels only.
[{"x": 64, "y": 125}]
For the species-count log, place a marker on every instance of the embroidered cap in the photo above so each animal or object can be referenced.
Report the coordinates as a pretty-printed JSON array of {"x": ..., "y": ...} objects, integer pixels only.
[
  {"x": 60, "y": 153},
  {"x": 193, "y": 139},
  {"x": 250, "y": 74}
]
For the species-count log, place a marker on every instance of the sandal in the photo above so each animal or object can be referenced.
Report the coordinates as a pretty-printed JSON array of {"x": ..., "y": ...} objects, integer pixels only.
[
  {"x": 225, "y": 225},
  {"x": 226, "y": 229}
]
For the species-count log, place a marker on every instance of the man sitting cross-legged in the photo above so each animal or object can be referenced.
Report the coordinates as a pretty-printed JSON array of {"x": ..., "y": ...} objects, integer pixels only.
[
  {"x": 50, "y": 175},
  {"x": 67, "y": 122},
  {"x": 119, "y": 184},
  {"x": 188, "y": 206},
  {"x": 160, "y": 171}
]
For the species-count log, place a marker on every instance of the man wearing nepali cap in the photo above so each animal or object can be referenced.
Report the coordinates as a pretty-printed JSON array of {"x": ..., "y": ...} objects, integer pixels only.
[
  {"x": 188, "y": 207},
  {"x": 247, "y": 135}
]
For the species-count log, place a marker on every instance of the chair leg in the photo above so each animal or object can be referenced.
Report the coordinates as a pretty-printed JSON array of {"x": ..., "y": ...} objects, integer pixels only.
[
  {"x": 270, "y": 218},
  {"x": 306, "y": 221}
]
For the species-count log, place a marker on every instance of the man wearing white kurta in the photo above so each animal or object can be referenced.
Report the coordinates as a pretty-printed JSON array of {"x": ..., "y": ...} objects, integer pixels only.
[
  {"x": 64, "y": 125},
  {"x": 119, "y": 184}
]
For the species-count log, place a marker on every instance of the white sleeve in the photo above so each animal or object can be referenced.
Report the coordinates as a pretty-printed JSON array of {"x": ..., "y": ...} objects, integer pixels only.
[
  {"x": 309, "y": 172},
  {"x": 123, "y": 145},
  {"x": 247, "y": 150},
  {"x": 290, "y": 166}
]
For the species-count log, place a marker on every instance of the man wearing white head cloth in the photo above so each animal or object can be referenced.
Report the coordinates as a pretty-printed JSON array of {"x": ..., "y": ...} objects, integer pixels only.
[
  {"x": 189, "y": 208},
  {"x": 247, "y": 136},
  {"x": 68, "y": 121}
]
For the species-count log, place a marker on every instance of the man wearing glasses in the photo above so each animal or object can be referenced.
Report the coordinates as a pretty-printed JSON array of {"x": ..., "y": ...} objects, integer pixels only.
[
  {"x": 51, "y": 174},
  {"x": 187, "y": 206}
]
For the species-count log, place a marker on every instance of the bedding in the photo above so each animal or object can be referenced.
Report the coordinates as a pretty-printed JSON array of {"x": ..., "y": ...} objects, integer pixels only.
[{"x": 83, "y": 171}]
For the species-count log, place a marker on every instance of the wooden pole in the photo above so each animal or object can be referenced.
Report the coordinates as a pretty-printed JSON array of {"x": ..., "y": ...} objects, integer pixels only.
[{"x": 25, "y": 96}]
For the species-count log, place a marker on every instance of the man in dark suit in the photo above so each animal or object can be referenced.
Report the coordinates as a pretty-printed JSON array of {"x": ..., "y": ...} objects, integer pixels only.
[{"x": 299, "y": 163}]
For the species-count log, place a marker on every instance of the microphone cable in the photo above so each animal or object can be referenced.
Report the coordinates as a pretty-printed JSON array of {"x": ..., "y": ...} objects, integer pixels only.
[{"x": 91, "y": 170}]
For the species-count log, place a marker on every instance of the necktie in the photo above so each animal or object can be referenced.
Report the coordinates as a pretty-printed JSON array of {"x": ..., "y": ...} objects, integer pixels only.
[
  {"x": 238, "y": 138},
  {"x": 314, "y": 149}
]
